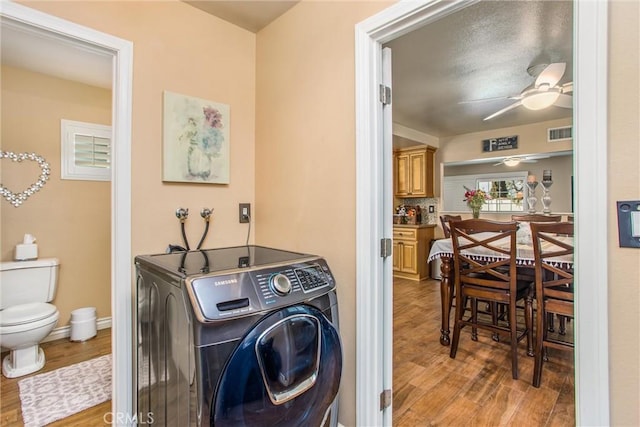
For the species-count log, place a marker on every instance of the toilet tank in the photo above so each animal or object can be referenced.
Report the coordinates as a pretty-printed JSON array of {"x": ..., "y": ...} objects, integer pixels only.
[{"x": 23, "y": 282}]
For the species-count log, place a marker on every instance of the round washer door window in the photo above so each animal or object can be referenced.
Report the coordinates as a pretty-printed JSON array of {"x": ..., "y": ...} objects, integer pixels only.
[{"x": 285, "y": 372}]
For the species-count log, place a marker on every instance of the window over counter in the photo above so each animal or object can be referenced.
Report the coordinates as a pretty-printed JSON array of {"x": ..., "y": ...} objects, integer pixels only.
[{"x": 507, "y": 190}]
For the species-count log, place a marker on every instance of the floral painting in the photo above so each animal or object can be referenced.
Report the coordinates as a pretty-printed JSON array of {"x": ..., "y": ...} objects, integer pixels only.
[{"x": 196, "y": 140}]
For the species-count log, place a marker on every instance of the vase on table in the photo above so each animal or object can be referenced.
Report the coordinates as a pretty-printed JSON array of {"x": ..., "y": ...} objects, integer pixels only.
[{"x": 475, "y": 210}]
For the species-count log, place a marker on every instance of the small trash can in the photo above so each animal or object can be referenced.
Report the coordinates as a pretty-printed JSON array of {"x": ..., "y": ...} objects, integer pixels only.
[{"x": 83, "y": 324}]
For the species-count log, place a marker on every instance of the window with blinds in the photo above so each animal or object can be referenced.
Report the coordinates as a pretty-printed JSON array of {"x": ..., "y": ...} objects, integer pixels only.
[
  {"x": 507, "y": 190},
  {"x": 86, "y": 151}
]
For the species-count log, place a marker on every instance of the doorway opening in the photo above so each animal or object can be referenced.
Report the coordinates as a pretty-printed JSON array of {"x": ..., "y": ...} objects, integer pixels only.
[
  {"x": 374, "y": 222},
  {"x": 53, "y": 28}
]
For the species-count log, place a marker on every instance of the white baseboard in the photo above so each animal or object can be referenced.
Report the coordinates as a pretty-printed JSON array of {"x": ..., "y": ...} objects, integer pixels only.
[{"x": 65, "y": 331}]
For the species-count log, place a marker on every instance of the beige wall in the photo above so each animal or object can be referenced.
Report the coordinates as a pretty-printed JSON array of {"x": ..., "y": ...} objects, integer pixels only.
[
  {"x": 181, "y": 49},
  {"x": 69, "y": 218},
  {"x": 532, "y": 139},
  {"x": 305, "y": 146},
  {"x": 624, "y": 184}
]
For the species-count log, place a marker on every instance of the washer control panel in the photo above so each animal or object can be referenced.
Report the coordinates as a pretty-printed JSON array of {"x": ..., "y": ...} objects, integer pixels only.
[{"x": 218, "y": 297}]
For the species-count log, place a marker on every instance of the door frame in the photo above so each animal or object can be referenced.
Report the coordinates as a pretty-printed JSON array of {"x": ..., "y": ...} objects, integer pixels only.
[
  {"x": 590, "y": 169},
  {"x": 121, "y": 269}
]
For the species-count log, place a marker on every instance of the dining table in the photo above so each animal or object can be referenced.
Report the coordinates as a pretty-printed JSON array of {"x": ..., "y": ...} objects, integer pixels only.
[{"x": 443, "y": 249}]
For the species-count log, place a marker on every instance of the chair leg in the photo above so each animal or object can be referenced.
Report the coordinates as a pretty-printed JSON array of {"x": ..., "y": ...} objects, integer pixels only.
[
  {"x": 541, "y": 332},
  {"x": 474, "y": 319},
  {"x": 494, "y": 318},
  {"x": 563, "y": 324},
  {"x": 514, "y": 340},
  {"x": 550, "y": 322},
  {"x": 460, "y": 308},
  {"x": 528, "y": 320}
]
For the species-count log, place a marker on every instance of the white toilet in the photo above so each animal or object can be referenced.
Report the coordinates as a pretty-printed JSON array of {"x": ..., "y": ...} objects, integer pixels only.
[{"x": 26, "y": 317}]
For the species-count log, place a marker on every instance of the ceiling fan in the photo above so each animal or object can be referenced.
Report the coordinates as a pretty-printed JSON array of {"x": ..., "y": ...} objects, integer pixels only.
[
  {"x": 515, "y": 160},
  {"x": 544, "y": 92}
]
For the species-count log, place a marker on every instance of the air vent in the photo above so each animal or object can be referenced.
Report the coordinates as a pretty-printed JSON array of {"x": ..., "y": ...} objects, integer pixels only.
[{"x": 559, "y": 134}]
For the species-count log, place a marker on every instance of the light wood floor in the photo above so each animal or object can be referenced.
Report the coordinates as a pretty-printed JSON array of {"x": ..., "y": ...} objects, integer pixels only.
[
  {"x": 59, "y": 353},
  {"x": 476, "y": 387}
]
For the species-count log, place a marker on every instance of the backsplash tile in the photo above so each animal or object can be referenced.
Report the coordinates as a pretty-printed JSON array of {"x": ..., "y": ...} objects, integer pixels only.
[{"x": 424, "y": 203}]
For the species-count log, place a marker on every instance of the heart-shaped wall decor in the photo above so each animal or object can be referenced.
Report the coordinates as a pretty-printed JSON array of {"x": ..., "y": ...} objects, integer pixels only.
[{"x": 16, "y": 199}]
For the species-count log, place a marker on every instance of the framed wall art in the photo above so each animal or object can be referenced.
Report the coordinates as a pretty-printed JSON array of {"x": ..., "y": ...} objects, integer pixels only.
[{"x": 195, "y": 140}]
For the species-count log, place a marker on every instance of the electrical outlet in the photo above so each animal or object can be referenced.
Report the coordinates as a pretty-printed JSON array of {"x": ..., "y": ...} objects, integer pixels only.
[
  {"x": 432, "y": 209},
  {"x": 244, "y": 212}
]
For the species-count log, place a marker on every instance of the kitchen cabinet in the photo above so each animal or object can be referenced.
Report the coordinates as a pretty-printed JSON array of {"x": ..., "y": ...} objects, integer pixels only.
[
  {"x": 410, "y": 251},
  {"x": 414, "y": 172}
]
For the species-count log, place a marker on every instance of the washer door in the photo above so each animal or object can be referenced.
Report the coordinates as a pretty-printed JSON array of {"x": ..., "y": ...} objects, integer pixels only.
[{"x": 285, "y": 372}]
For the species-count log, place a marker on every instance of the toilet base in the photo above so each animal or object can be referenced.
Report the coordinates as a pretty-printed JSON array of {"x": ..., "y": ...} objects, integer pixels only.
[{"x": 23, "y": 361}]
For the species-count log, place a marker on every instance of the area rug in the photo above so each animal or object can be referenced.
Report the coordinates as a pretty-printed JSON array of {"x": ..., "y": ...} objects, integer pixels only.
[{"x": 66, "y": 391}]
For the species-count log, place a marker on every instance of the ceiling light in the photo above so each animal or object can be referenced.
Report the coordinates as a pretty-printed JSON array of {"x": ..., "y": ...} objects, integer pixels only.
[
  {"x": 511, "y": 161},
  {"x": 541, "y": 98}
]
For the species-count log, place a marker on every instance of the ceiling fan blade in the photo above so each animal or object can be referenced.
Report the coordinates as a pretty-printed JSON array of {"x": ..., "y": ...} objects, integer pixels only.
[
  {"x": 504, "y": 110},
  {"x": 497, "y": 98},
  {"x": 567, "y": 87},
  {"x": 528, "y": 161},
  {"x": 564, "y": 101},
  {"x": 498, "y": 164},
  {"x": 552, "y": 74}
]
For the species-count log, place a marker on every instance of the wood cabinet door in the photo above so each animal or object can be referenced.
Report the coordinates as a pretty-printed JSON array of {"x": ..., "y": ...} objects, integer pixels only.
[
  {"x": 429, "y": 173},
  {"x": 397, "y": 255},
  {"x": 418, "y": 174},
  {"x": 408, "y": 262},
  {"x": 402, "y": 175}
]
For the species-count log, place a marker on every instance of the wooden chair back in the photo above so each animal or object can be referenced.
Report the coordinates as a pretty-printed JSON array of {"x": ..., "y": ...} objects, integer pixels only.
[
  {"x": 485, "y": 270},
  {"x": 554, "y": 285},
  {"x": 536, "y": 218},
  {"x": 444, "y": 220}
]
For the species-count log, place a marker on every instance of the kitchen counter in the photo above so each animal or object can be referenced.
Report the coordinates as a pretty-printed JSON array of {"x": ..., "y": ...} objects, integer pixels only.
[{"x": 414, "y": 226}]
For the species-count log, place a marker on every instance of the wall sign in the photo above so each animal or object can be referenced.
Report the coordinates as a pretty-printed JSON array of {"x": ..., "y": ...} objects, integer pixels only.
[{"x": 499, "y": 144}]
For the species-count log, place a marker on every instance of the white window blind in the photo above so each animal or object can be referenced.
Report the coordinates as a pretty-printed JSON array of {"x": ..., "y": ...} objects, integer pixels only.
[{"x": 86, "y": 151}]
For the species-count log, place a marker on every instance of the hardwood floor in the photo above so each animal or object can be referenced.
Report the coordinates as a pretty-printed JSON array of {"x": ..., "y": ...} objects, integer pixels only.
[
  {"x": 59, "y": 353},
  {"x": 475, "y": 388}
]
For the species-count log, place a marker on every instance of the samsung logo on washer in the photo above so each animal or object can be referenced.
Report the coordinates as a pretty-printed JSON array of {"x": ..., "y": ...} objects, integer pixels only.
[{"x": 225, "y": 282}]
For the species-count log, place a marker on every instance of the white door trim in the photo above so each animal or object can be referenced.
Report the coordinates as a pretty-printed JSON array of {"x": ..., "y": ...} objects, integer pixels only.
[
  {"x": 121, "y": 270},
  {"x": 590, "y": 163}
]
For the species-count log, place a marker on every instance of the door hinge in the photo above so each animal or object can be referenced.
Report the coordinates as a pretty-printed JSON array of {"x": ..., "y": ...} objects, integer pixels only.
[
  {"x": 385, "y": 247},
  {"x": 385, "y": 95},
  {"x": 385, "y": 399}
]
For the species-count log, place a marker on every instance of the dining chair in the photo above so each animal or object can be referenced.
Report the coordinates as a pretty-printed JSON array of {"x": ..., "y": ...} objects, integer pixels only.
[
  {"x": 444, "y": 220},
  {"x": 536, "y": 218},
  {"x": 490, "y": 277},
  {"x": 554, "y": 286}
]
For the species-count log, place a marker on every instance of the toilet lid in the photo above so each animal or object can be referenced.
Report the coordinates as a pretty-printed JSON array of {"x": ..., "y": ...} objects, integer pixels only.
[{"x": 24, "y": 313}]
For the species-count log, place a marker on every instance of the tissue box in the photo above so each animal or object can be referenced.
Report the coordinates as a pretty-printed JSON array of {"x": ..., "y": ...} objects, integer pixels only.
[{"x": 26, "y": 251}]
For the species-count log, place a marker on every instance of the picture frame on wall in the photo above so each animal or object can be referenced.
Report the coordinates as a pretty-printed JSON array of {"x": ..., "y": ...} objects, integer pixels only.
[{"x": 195, "y": 140}]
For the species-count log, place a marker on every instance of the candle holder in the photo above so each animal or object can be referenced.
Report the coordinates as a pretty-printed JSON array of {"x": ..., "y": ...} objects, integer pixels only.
[
  {"x": 546, "y": 197},
  {"x": 531, "y": 196}
]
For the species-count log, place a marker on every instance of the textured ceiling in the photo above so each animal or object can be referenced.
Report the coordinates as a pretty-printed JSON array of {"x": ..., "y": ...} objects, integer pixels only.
[{"x": 480, "y": 52}]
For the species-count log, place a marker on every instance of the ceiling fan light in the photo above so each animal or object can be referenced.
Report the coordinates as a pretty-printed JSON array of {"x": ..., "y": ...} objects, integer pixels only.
[
  {"x": 511, "y": 161},
  {"x": 540, "y": 100}
]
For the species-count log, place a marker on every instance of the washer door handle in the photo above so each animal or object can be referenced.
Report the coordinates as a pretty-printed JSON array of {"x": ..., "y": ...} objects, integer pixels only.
[{"x": 285, "y": 396}]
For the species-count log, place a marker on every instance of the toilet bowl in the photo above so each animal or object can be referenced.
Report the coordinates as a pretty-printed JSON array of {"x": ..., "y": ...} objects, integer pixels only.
[
  {"x": 22, "y": 328},
  {"x": 26, "y": 317}
]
